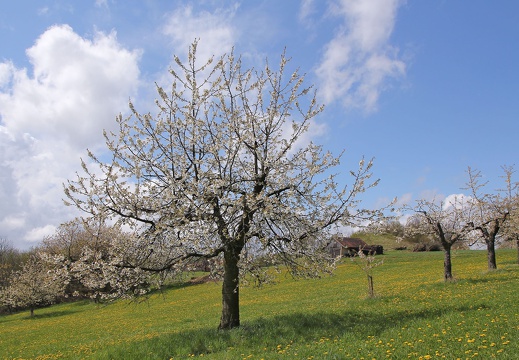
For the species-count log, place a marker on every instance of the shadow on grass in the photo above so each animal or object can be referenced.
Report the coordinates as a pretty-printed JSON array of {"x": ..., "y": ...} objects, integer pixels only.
[
  {"x": 302, "y": 328},
  {"x": 48, "y": 315},
  {"x": 472, "y": 281},
  {"x": 183, "y": 283}
]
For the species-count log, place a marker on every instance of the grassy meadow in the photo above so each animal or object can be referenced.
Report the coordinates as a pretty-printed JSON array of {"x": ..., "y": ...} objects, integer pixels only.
[{"x": 415, "y": 315}]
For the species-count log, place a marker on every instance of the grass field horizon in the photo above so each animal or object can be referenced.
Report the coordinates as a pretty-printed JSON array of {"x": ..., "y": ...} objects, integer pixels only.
[{"x": 414, "y": 315}]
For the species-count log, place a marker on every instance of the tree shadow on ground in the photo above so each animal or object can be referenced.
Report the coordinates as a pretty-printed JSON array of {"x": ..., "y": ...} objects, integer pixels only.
[
  {"x": 47, "y": 315},
  {"x": 268, "y": 332}
]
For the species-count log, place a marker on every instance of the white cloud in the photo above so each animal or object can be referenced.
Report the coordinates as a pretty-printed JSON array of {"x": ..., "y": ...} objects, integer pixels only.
[
  {"x": 75, "y": 87},
  {"x": 458, "y": 201},
  {"x": 37, "y": 234},
  {"x": 49, "y": 115},
  {"x": 6, "y": 74},
  {"x": 217, "y": 35},
  {"x": 13, "y": 222},
  {"x": 358, "y": 61}
]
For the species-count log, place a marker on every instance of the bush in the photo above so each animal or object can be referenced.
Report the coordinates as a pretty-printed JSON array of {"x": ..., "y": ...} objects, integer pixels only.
[{"x": 427, "y": 247}]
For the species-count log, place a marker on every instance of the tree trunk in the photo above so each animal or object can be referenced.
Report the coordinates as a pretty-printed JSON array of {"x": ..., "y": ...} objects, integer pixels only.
[
  {"x": 491, "y": 254},
  {"x": 517, "y": 243},
  {"x": 230, "y": 291},
  {"x": 371, "y": 291},
  {"x": 447, "y": 264},
  {"x": 32, "y": 312}
]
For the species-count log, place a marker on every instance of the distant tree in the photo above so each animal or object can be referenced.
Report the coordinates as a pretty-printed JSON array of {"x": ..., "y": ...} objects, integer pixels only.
[
  {"x": 513, "y": 231},
  {"x": 445, "y": 222},
  {"x": 223, "y": 170},
  {"x": 87, "y": 247},
  {"x": 510, "y": 231},
  {"x": 68, "y": 240},
  {"x": 10, "y": 260},
  {"x": 415, "y": 234},
  {"x": 40, "y": 282},
  {"x": 394, "y": 227},
  {"x": 492, "y": 210},
  {"x": 388, "y": 226}
]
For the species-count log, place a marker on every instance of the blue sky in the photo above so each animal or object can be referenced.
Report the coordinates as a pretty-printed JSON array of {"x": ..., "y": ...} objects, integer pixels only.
[{"x": 426, "y": 87}]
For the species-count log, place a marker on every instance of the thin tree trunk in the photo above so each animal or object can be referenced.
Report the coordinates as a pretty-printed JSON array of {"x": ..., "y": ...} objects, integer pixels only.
[
  {"x": 371, "y": 291},
  {"x": 32, "y": 312},
  {"x": 447, "y": 264},
  {"x": 230, "y": 291},
  {"x": 491, "y": 254},
  {"x": 517, "y": 243}
]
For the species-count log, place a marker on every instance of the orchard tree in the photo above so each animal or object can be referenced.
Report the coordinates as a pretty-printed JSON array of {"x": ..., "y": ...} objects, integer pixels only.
[
  {"x": 367, "y": 263},
  {"x": 40, "y": 282},
  {"x": 70, "y": 238},
  {"x": 445, "y": 221},
  {"x": 223, "y": 171},
  {"x": 510, "y": 231},
  {"x": 492, "y": 210},
  {"x": 87, "y": 247}
]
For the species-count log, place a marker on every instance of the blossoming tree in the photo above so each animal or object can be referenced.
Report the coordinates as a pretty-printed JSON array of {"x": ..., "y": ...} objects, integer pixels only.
[
  {"x": 40, "y": 282},
  {"x": 446, "y": 221},
  {"x": 223, "y": 171},
  {"x": 89, "y": 250},
  {"x": 493, "y": 210}
]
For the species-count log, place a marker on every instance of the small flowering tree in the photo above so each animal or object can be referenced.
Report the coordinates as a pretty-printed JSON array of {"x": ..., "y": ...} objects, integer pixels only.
[
  {"x": 90, "y": 250},
  {"x": 101, "y": 274},
  {"x": 367, "y": 262},
  {"x": 40, "y": 282},
  {"x": 223, "y": 171}
]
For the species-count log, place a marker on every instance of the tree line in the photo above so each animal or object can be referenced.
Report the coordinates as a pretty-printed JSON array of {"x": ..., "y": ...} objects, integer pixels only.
[{"x": 73, "y": 263}]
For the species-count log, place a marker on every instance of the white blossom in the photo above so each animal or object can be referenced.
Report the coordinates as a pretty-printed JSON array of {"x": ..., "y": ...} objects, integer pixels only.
[{"x": 215, "y": 174}]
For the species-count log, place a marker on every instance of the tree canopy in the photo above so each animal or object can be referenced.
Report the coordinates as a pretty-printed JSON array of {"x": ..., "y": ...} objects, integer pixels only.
[{"x": 223, "y": 170}]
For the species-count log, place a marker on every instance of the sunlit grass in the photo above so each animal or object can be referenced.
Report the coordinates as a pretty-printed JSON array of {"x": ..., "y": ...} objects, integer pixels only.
[{"x": 414, "y": 315}]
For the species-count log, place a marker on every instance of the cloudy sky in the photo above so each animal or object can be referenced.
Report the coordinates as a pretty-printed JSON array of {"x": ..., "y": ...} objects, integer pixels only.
[{"x": 426, "y": 87}]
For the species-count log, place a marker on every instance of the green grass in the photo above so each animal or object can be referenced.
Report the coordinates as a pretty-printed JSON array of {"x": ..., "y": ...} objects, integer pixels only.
[
  {"x": 415, "y": 315},
  {"x": 388, "y": 241}
]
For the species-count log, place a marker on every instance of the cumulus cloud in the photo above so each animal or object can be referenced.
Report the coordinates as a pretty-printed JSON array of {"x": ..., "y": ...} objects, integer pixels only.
[
  {"x": 74, "y": 85},
  {"x": 49, "y": 115},
  {"x": 359, "y": 60}
]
